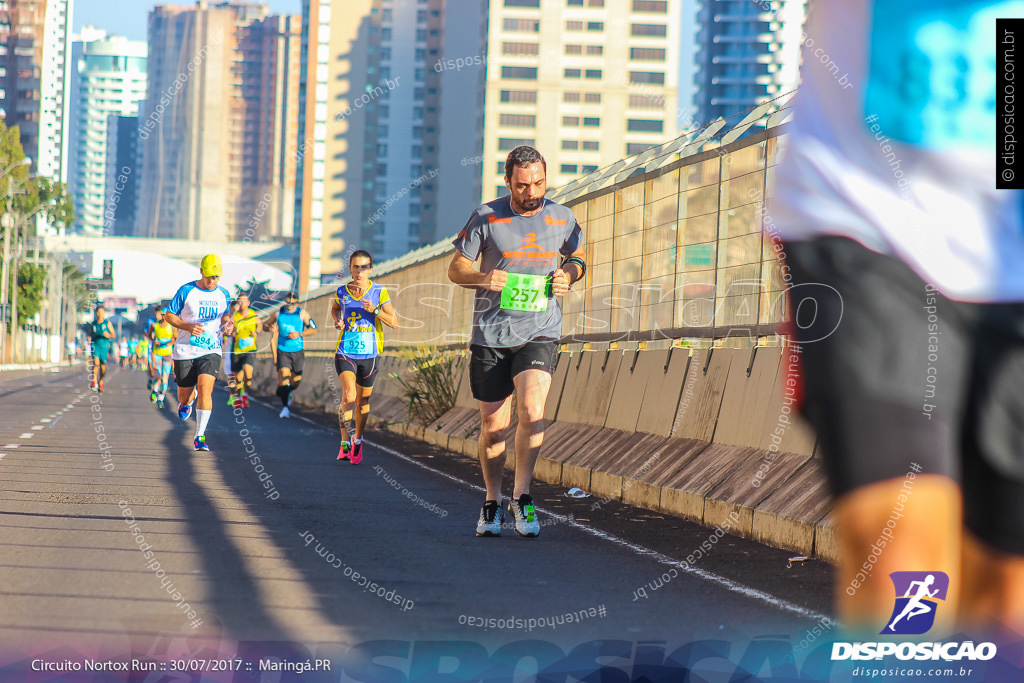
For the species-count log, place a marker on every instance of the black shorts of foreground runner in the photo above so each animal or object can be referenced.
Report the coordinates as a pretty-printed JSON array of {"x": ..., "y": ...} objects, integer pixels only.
[
  {"x": 492, "y": 370},
  {"x": 186, "y": 372}
]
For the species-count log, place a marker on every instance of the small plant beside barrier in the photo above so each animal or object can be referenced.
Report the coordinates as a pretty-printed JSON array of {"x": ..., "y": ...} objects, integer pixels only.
[{"x": 431, "y": 388}]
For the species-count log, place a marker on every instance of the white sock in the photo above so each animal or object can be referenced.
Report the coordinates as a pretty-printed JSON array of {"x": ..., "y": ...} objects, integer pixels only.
[
  {"x": 358, "y": 441},
  {"x": 202, "y": 417}
]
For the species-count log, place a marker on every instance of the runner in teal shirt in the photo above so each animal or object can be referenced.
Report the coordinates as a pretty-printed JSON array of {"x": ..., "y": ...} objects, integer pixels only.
[{"x": 100, "y": 333}]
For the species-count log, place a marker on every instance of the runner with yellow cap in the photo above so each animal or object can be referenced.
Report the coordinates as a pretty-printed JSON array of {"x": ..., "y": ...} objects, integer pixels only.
[{"x": 200, "y": 310}]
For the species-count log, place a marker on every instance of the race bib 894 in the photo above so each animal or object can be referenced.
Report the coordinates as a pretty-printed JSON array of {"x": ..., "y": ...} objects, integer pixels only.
[{"x": 203, "y": 341}]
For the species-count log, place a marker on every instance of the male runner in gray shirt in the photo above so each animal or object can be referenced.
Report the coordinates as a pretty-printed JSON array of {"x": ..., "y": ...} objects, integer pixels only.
[{"x": 531, "y": 251}]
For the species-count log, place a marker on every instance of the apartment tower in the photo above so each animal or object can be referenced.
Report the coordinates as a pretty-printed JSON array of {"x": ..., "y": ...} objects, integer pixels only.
[
  {"x": 215, "y": 128},
  {"x": 375, "y": 108},
  {"x": 35, "y": 77},
  {"x": 109, "y": 80},
  {"x": 748, "y": 52},
  {"x": 586, "y": 82}
]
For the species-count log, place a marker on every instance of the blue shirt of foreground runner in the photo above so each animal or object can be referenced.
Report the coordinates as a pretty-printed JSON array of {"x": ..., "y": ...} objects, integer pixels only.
[
  {"x": 206, "y": 307},
  {"x": 532, "y": 245}
]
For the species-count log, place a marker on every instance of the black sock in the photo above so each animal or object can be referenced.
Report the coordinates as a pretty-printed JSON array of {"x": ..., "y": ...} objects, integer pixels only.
[{"x": 282, "y": 393}]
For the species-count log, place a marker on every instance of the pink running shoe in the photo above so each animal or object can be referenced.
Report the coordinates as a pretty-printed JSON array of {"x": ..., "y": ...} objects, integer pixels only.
[
  {"x": 357, "y": 453},
  {"x": 343, "y": 451}
]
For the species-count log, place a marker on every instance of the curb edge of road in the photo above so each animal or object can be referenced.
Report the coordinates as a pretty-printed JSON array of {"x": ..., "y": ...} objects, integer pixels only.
[{"x": 11, "y": 367}]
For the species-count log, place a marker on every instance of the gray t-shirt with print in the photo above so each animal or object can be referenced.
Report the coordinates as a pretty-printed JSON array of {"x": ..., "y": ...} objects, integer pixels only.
[{"x": 531, "y": 245}]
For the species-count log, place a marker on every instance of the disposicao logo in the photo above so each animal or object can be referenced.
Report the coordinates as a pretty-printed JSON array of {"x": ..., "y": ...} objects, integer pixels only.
[
  {"x": 919, "y": 595},
  {"x": 917, "y": 600}
]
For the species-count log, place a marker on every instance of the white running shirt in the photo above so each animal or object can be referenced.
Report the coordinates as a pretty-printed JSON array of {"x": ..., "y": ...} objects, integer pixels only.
[
  {"x": 893, "y": 142},
  {"x": 195, "y": 305}
]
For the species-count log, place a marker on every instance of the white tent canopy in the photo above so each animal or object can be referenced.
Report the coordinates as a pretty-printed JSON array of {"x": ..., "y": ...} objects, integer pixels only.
[{"x": 152, "y": 277}]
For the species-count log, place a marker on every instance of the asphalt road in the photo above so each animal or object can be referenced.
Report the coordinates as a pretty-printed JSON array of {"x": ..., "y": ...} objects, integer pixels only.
[{"x": 116, "y": 537}]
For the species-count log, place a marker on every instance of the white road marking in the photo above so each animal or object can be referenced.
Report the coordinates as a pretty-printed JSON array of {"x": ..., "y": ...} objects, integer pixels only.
[
  {"x": 46, "y": 419},
  {"x": 11, "y": 445},
  {"x": 26, "y": 435},
  {"x": 36, "y": 428}
]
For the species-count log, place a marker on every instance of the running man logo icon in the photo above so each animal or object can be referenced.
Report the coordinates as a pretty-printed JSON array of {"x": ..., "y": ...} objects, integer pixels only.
[
  {"x": 917, "y": 599},
  {"x": 530, "y": 251},
  {"x": 530, "y": 242}
]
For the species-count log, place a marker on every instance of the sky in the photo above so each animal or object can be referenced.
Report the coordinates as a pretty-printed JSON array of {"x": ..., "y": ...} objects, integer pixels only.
[{"x": 128, "y": 17}]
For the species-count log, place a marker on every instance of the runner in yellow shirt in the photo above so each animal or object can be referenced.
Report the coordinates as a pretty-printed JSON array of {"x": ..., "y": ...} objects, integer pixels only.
[
  {"x": 162, "y": 335},
  {"x": 243, "y": 350}
]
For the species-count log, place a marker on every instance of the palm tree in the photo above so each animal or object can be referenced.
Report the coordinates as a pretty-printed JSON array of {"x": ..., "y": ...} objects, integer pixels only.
[{"x": 260, "y": 296}]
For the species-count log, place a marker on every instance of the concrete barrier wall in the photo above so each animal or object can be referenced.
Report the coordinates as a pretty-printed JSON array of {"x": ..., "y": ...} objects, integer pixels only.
[{"x": 689, "y": 433}]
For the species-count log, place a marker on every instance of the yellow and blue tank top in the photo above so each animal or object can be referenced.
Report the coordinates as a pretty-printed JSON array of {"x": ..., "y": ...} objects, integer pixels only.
[
  {"x": 362, "y": 335},
  {"x": 245, "y": 331},
  {"x": 163, "y": 339}
]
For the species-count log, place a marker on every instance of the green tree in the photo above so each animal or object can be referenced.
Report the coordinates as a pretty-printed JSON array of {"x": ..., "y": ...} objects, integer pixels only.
[
  {"x": 31, "y": 280},
  {"x": 32, "y": 194},
  {"x": 13, "y": 169},
  {"x": 53, "y": 201}
]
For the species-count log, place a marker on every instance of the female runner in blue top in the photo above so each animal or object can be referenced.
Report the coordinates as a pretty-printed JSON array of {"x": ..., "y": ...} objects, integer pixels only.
[{"x": 362, "y": 305}]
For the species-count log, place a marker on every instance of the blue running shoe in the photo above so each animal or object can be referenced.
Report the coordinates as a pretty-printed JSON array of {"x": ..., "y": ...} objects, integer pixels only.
[
  {"x": 184, "y": 411},
  {"x": 200, "y": 443}
]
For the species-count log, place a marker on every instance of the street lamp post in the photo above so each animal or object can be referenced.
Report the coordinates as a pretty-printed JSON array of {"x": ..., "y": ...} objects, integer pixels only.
[{"x": 8, "y": 224}]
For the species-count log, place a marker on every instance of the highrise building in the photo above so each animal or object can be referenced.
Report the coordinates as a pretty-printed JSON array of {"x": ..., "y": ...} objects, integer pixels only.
[
  {"x": 215, "y": 128},
  {"x": 748, "y": 52},
  {"x": 109, "y": 80},
  {"x": 586, "y": 82},
  {"x": 270, "y": 52},
  {"x": 372, "y": 166},
  {"x": 461, "y": 141},
  {"x": 35, "y": 76},
  {"x": 122, "y": 175}
]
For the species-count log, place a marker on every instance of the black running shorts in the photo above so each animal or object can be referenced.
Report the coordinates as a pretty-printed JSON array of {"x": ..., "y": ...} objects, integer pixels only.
[
  {"x": 186, "y": 372},
  {"x": 293, "y": 360},
  {"x": 895, "y": 374},
  {"x": 492, "y": 370},
  {"x": 365, "y": 369},
  {"x": 240, "y": 360}
]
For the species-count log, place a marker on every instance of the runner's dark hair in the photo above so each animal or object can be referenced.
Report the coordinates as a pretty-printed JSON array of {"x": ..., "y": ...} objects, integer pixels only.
[
  {"x": 361, "y": 253},
  {"x": 523, "y": 156}
]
